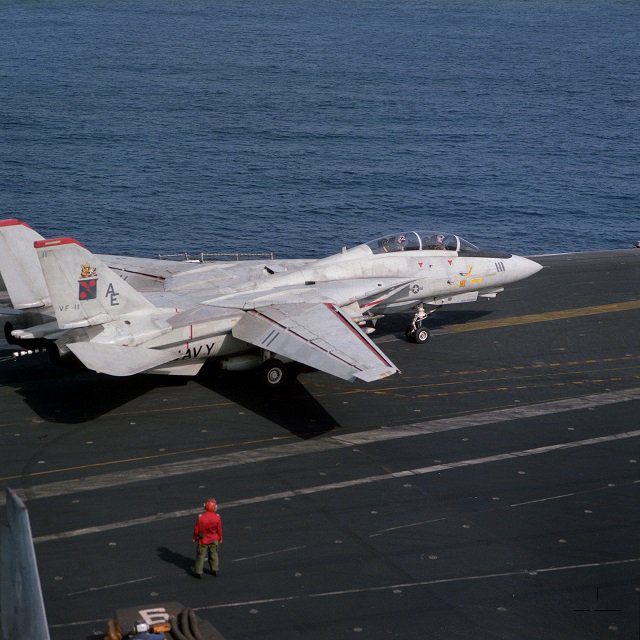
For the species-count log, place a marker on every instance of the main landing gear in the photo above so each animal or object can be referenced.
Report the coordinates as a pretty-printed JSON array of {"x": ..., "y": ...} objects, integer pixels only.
[
  {"x": 273, "y": 373},
  {"x": 415, "y": 332}
]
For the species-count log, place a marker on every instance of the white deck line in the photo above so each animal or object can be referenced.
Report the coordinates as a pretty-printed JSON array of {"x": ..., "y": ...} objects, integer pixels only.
[{"x": 320, "y": 445}]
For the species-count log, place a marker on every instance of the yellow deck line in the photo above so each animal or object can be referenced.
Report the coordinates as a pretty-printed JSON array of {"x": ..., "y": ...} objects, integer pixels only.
[{"x": 546, "y": 316}]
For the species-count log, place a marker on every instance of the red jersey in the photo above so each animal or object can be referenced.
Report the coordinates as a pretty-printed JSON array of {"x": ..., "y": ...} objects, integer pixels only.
[{"x": 208, "y": 528}]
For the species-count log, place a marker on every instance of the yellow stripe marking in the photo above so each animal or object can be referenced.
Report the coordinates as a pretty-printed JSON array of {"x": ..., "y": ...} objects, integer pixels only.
[
  {"x": 547, "y": 316},
  {"x": 326, "y": 390}
]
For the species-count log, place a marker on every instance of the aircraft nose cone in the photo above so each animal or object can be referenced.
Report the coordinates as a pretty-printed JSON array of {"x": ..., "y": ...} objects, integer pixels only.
[{"x": 523, "y": 267}]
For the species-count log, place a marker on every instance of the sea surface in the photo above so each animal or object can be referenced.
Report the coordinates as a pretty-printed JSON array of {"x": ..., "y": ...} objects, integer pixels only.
[{"x": 299, "y": 126}]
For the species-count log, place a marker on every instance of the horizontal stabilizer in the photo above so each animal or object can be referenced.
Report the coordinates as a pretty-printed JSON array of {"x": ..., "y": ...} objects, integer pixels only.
[
  {"x": 116, "y": 360},
  {"x": 318, "y": 335}
]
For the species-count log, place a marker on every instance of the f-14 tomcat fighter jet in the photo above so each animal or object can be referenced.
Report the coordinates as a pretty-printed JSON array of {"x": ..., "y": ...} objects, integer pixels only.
[{"x": 122, "y": 315}]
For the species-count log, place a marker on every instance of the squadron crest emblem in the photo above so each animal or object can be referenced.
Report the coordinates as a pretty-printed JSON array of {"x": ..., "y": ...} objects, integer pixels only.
[
  {"x": 88, "y": 283},
  {"x": 87, "y": 271}
]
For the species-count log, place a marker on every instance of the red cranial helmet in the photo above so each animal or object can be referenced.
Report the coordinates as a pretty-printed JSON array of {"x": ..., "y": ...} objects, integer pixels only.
[{"x": 210, "y": 504}]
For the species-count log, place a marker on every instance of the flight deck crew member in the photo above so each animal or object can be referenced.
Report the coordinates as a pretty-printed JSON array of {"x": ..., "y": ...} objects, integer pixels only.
[{"x": 208, "y": 534}]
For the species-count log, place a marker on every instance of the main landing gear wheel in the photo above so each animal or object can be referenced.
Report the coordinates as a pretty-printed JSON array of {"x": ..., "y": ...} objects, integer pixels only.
[
  {"x": 8, "y": 328},
  {"x": 273, "y": 373}
]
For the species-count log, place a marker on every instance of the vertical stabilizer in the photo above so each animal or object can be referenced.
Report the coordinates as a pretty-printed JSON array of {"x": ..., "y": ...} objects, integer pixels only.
[
  {"x": 84, "y": 291},
  {"x": 22, "y": 613},
  {"x": 20, "y": 266}
]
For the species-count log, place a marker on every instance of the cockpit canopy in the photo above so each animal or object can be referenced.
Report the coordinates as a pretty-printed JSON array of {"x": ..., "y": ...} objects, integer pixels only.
[{"x": 422, "y": 240}]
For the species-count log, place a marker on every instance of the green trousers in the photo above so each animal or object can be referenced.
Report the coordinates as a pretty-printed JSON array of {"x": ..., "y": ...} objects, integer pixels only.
[{"x": 205, "y": 551}]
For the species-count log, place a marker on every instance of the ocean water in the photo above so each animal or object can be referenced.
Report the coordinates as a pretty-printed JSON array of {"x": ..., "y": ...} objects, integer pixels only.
[{"x": 300, "y": 126}]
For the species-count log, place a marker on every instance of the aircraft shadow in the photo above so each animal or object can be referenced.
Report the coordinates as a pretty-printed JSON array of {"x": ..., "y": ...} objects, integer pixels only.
[
  {"x": 67, "y": 396},
  {"x": 291, "y": 407},
  {"x": 70, "y": 396}
]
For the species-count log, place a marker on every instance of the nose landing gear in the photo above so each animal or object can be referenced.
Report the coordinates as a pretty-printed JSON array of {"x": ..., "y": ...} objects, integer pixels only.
[
  {"x": 419, "y": 336},
  {"x": 415, "y": 332}
]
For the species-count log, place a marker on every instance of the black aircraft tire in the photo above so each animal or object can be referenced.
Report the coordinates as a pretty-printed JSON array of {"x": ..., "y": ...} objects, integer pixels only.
[
  {"x": 421, "y": 336},
  {"x": 8, "y": 328},
  {"x": 274, "y": 374}
]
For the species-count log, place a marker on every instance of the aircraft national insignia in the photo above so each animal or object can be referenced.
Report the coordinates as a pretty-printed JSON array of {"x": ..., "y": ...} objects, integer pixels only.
[
  {"x": 87, "y": 289},
  {"x": 87, "y": 271}
]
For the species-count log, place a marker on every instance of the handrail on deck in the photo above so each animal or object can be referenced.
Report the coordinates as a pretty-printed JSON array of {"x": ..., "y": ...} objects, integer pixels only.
[{"x": 208, "y": 256}]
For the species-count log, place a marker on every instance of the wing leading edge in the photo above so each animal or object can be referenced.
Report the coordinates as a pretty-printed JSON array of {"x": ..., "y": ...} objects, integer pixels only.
[{"x": 319, "y": 335}]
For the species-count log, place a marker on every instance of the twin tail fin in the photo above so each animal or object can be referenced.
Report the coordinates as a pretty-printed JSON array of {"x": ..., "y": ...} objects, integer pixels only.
[
  {"x": 84, "y": 291},
  {"x": 20, "y": 267}
]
